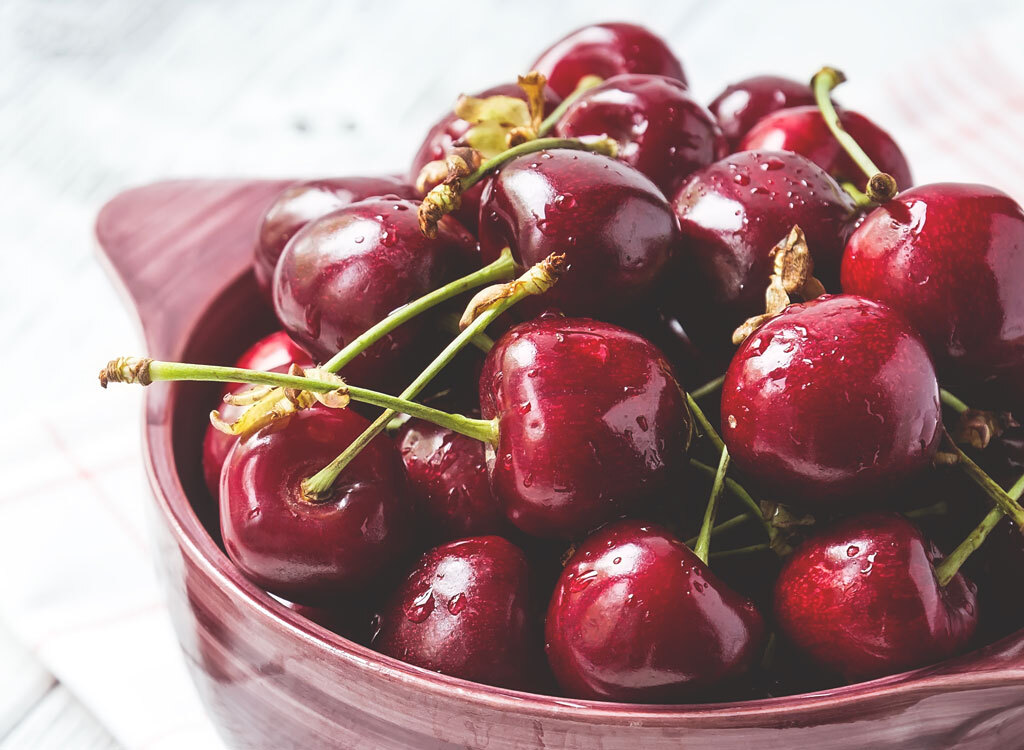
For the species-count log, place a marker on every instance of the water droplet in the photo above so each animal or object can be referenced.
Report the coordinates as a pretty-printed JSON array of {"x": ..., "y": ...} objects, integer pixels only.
[
  {"x": 616, "y": 561},
  {"x": 421, "y": 606},
  {"x": 641, "y": 421},
  {"x": 457, "y": 603},
  {"x": 583, "y": 580},
  {"x": 731, "y": 420},
  {"x": 852, "y": 551},
  {"x": 741, "y": 179}
]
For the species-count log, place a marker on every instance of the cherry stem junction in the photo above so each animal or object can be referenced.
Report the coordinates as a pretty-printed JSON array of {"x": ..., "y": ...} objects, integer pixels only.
[
  {"x": 703, "y": 545},
  {"x": 737, "y": 491}
]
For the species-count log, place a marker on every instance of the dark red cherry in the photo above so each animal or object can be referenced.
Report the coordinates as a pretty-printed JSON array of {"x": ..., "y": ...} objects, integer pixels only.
[
  {"x": 347, "y": 270},
  {"x": 803, "y": 129},
  {"x": 464, "y": 611},
  {"x": 447, "y": 474},
  {"x": 592, "y": 424},
  {"x": 636, "y": 616},
  {"x": 613, "y": 224},
  {"x": 299, "y": 204},
  {"x": 950, "y": 257},
  {"x": 861, "y": 599},
  {"x": 310, "y": 552},
  {"x": 743, "y": 103},
  {"x": 731, "y": 215},
  {"x": 448, "y": 132},
  {"x": 834, "y": 400},
  {"x": 660, "y": 128},
  {"x": 273, "y": 352},
  {"x": 606, "y": 50}
]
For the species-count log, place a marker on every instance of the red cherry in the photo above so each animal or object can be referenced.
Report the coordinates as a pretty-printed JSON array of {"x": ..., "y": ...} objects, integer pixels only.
[
  {"x": 464, "y": 611},
  {"x": 274, "y": 352},
  {"x": 346, "y": 271},
  {"x": 731, "y": 215},
  {"x": 660, "y": 128},
  {"x": 833, "y": 400},
  {"x": 613, "y": 224},
  {"x": 803, "y": 130},
  {"x": 861, "y": 598},
  {"x": 636, "y": 616},
  {"x": 448, "y": 131},
  {"x": 310, "y": 552},
  {"x": 950, "y": 257},
  {"x": 591, "y": 424},
  {"x": 606, "y": 50},
  {"x": 299, "y": 204},
  {"x": 742, "y": 104}
]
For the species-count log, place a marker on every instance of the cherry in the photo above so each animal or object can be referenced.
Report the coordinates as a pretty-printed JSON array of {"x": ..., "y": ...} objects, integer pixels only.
[
  {"x": 833, "y": 401},
  {"x": 312, "y": 552},
  {"x": 299, "y": 204},
  {"x": 448, "y": 132},
  {"x": 803, "y": 130},
  {"x": 347, "y": 270},
  {"x": 862, "y": 599},
  {"x": 464, "y": 610},
  {"x": 591, "y": 423},
  {"x": 731, "y": 215},
  {"x": 660, "y": 128},
  {"x": 612, "y": 223},
  {"x": 743, "y": 103},
  {"x": 448, "y": 474},
  {"x": 273, "y": 352},
  {"x": 949, "y": 257},
  {"x": 636, "y": 616},
  {"x": 606, "y": 50}
]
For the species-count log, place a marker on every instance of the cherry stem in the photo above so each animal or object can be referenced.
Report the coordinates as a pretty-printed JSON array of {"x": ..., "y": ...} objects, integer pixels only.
[
  {"x": 860, "y": 199},
  {"x": 720, "y": 528},
  {"x": 705, "y": 424},
  {"x": 1006, "y": 503},
  {"x": 881, "y": 186},
  {"x": 739, "y": 492},
  {"x": 741, "y": 551},
  {"x": 501, "y": 269},
  {"x": 947, "y": 569},
  {"x": 952, "y": 402},
  {"x": 481, "y": 341},
  {"x": 585, "y": 84},
  {"x": 708, "y": 388},
  {"x": 605, "y": 146},
  {"x": 703, "y": 545}
]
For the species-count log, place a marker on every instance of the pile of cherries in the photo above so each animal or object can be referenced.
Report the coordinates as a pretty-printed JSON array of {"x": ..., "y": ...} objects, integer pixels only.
[{"x": 545, "y": 515}]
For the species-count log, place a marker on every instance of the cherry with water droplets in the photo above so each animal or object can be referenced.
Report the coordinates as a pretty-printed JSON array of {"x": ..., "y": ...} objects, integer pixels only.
[{"x": 745, "y": 102}]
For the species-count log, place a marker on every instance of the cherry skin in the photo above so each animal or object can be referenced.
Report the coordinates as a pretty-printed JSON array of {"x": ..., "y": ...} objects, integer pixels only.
[
  {"x": 949, "y": 257},
  {"x": 273, "y": 352},
  {"x": 313, "y": 552},
  {"x": 447, "y": 474},
  {"x": 861, "y": 599},
  {"x": 591, "y": 424},
  {"x": 606, "y": 50},
  {"x": 832, "y": 402},
  {"x": 448, "y": 132},
  {"x": 612, "y": 223},
  {"x": 731, "y": 216},
  {"x": 803, "y": 129},
  {"x": 464, "y": 611},
  {"x": 636, "y": 616},
  {"x": 347, "y": 270},
  {"x": 743, "y": 103},
  {"x": 299, "y": 204},
  {"x": 660, "y": 128}
]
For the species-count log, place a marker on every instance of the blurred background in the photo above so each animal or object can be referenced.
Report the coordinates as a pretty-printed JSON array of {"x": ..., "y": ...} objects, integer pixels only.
[{"x": 100, "y": 95}]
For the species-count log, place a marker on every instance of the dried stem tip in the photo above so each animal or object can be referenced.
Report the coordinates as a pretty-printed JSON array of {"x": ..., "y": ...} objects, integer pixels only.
[
  {"x": 446, "y": 197},
  {"x": 537, "y": 280},
  {"x": 126, "y": 370}
]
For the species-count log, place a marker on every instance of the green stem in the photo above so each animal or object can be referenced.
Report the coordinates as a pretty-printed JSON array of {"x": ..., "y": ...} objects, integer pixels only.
[
  {"x": 585, "y": 84},
  {"x": 738, "y": 491},
  {"x": 481, "y": 341},
  {"x": 720, "y": 528},
  {"x": 860, "y": 199},
  {"x": 502, "y": 269},
  {"x": 881, "y": 186},
  {"x": 605, "y": 146},
  {"x": 703, "y": 545},
  {"x": 741, "y": 551},
  {"x": 705, "y": 424},
  {"x": 708, "y": 388},
  {"x": 1007, "y": 504},
  {"x": 952, "y": 402}
]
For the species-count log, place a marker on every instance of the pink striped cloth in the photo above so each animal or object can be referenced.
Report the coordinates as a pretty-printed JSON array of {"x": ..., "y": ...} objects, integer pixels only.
[{"x": 78, "y": 585}]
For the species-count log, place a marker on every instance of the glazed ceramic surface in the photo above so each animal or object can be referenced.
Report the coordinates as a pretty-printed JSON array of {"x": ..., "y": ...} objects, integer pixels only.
[{"x": 272, "y": 679}]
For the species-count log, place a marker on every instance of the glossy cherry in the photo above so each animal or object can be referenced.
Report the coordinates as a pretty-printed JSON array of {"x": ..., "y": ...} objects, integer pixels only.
[
  {"x": 861, "y": 598},
  {"x": 743, "y": 103},
  {"x": 950, "y": 257},
  {"x": 833, "y": 401},
  {"x": 606, "y": 50},
  {"x": 273, "y": 352},
  {"x": 591, "y": 424},
  {"x": 803, "y": 129},
  {"x": 299, "y": 204},
  {"x": 612, "y": 223},
  {"x": 447, "y": 474},
  {"x": 465, "y": 611},
  {"x": 731, "y": 215},
  {"x": 636, "y": 616},
  {"x": 314, "y": 552},
  {"x": 660, "y": 128},
  {"x": 347, "y": 270}
]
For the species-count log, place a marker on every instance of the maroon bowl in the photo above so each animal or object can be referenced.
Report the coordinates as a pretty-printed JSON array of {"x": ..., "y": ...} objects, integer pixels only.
[{"x": 272, "y": 679}]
